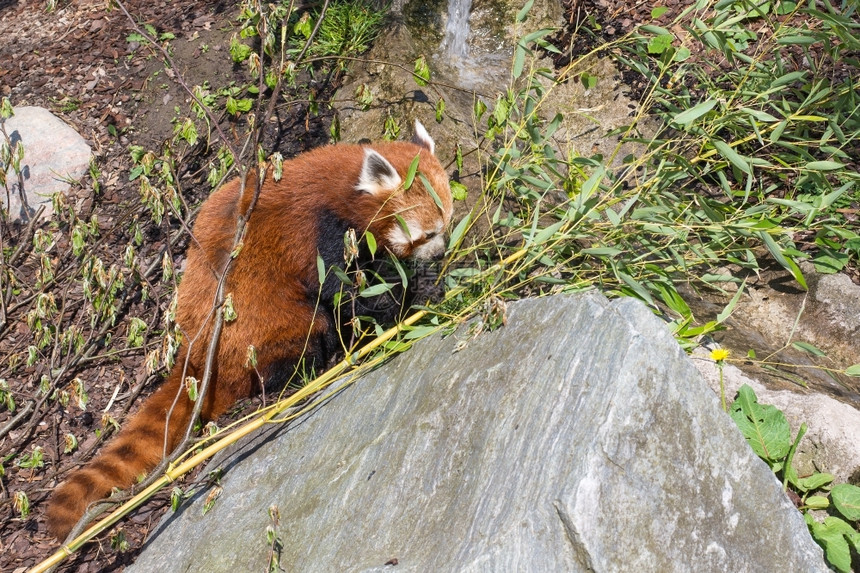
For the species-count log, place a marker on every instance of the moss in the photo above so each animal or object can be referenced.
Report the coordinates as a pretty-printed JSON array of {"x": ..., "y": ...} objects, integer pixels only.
[{"x": 424, "y": 20}]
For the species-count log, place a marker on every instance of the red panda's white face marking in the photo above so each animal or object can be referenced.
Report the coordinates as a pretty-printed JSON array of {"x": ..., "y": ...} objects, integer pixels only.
[
  {"x": 411, "y": 221},
  {"x": 417, "y": 241}
]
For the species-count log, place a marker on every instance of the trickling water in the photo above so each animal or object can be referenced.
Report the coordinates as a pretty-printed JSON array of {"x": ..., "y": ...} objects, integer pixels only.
[
  {"x": 476, "y": 58},
  {"x": 457, "y": 29}
]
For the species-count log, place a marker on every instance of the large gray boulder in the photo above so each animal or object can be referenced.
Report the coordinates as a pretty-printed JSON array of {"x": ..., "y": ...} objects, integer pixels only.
[{"x": 578, "y": 437}]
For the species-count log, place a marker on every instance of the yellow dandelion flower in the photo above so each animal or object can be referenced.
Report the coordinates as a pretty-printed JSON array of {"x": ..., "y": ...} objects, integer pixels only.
[{"x": 719, "y": 354}]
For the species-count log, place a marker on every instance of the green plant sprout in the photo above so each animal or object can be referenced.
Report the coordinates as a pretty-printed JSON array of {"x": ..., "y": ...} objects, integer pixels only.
[{"x": 767, "y": 431}]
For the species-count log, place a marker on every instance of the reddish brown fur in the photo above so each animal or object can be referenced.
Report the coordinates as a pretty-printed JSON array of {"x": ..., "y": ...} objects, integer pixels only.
[{"x": 274, "y": 286}]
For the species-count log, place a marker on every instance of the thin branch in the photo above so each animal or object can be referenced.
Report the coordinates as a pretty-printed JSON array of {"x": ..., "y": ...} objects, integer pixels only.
[{"x": 178, "y": 77}]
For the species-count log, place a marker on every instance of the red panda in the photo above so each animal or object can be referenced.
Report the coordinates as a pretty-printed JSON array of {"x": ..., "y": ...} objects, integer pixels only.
[{"x": 282, "y": 310}]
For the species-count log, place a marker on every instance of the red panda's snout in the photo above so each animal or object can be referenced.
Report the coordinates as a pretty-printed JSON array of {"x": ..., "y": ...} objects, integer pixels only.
[{"x": 416, "y": 241}]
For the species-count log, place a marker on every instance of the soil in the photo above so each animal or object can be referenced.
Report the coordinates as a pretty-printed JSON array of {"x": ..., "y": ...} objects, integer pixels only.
[{"x": 81, "y": 61}]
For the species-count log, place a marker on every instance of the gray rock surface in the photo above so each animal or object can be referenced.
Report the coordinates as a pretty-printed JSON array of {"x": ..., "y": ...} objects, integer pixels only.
[
  {"x": 579, "y": 437},
  {"x": 54, "y": 154}
]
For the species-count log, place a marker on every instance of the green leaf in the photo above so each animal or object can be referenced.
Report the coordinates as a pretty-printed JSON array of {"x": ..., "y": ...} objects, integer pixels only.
[
  {"x": 524, "y": 11},
  {"x": 727, "y": 312},
  {"x": 376, "y": 290},
  {"x": 458, "y": 191},
  {"x": 823, "y": 165},
  {"x": 589, "y": 81},
  {"x": 670, "y": 296},
  {"x": 480, "y": 108},
  {"x": 765, "y": 428},
  {"x": 519, "y": 60},
  {"x": 320, "y": 269},
  {"x": 817, "y": 502},
  {"x": 682, "y": 54},
  {"x": 732, "y": 156},
  {"x": 431, "y": 191},
  {"x": 777, "y": 131},
  {"x": 601, "y": 251},
  {"x": 853, "y": 370},
  {"x": 544, "y": 234},
  {"x": 410, "y": 173},
  {"x": 831, "y": 535},
  {"x": 402, "y": 222},
  {"x": 239, "y": 52},
  {"x": 660, "y": 44},
  {"x": 787, "y": 79},
  {"x": 786, "y": 262},
  {"x": 806, "y": 347},
  {"x": 814, "y": 482},
  {"x": 828, "y": 262},
  {"x": 846, "y": 498},
  {"x": 759, "y": 115},
  {"x": 593, "y": 182},
  {"x": 419, "y": 332},
  {"x": 688, "y": 116},
  {"x": 459, "y": 231},
  {"x": 371, "y": 242},
  {"x": 421, "y": 71},
  {"x": 655, "y": 30},
  {"x": 658, "y": 11},
  {"x": 637, "y": 288}
]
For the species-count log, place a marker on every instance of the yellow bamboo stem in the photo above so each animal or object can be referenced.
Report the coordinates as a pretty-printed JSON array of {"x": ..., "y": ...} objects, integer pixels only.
[{"x": 321, "y": 382}]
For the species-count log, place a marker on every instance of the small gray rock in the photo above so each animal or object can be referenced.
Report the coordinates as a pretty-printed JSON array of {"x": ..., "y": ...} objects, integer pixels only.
[{"x": 54, "y": 154}]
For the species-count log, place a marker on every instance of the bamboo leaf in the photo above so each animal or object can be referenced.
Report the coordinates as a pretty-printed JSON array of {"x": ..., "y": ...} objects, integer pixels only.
[
  {"x": 431, "y": 191},
  {"x": 320, "y": 269},
  {"x": 544, "y": 234},
  {"x": 787, "y": 79},
  {"x": 823, "y": 165},
  {"x": 519, "y": 60},
  {"x": 459, "y": 231},
  {"x": 601, "y": 251},
  {"x": 806, "y": 347},
  {"x": 689, "y": 116},
  {"x": 726, "y": 312},
  {"x": 759, "y": 115},
  {"x": 376, "y": 290},
  {"x": 417, "y": 332},
  {"x": 786, "y": 262},
  {"x": 640, "y": 290},
  {"x": 524, "y": 11},
  {"x": 732, "y": 156},
  {"x": 410, "y": 173}
]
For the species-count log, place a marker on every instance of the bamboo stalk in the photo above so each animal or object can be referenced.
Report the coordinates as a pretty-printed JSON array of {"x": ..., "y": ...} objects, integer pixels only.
[{"x": 320, "y": 383}]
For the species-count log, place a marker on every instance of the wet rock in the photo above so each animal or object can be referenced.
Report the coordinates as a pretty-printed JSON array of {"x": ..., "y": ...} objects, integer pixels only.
[
  {"x": 54, "y": 155},
  {"x": 480, "y": 68},
  {"x": 578, "y": 437}
]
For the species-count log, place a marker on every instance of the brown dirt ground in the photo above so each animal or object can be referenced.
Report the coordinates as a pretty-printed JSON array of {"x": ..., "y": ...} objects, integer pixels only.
[{"x": 77, "y": 62}]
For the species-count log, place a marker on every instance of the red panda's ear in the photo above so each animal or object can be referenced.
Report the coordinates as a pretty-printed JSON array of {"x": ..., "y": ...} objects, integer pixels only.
[
  {"x": 423, "y": 138},
  {"x": 377, "y": 174}
]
